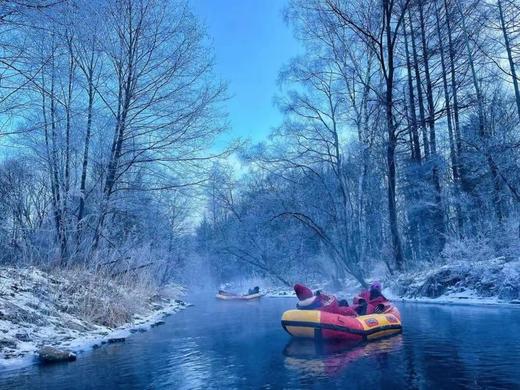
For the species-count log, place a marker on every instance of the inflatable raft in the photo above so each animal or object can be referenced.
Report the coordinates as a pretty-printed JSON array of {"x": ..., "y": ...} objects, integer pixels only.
[
  {"x": 320, "y": 325},
  {"x": 235, "y": 297}
]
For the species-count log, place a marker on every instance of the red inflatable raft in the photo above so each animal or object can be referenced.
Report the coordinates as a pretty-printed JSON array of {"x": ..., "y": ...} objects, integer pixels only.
[{"x": 322, "y": 325}]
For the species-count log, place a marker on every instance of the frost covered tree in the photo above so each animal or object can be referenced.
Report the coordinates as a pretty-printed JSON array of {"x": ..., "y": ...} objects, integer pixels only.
[
  {"x": 400, "y": 140},
  {"x": 117, "y": 107}
]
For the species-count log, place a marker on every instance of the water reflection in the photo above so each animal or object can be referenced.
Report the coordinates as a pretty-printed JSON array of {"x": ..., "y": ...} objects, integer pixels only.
[{"x": 330, "y": 359}]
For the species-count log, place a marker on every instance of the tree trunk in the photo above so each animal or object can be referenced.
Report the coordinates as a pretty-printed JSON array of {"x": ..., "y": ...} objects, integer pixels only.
[
  {"x": 127, "y": 83},
  {"x": 438, "y": 209},
  {"x": 68, "y": 108},
  {"x": 84, "y": 167},
  {"x": 55, "y": 176},
  {"x": 474, "y": 77},
  {"x": 418, "y": 83},
  {"x": 509, "y": 56},
  {"x": 453, "y": 154},
  {"x": 392, "y": 142},
  {"x": 429, "y": 92},
  {"x": 453, "y": 86},
  {"x": 416, "y": 147}
]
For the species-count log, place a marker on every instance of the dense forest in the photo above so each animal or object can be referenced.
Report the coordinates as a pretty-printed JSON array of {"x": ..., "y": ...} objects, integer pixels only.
[
  {"x": 400, "y": 144},
  {"x": 399, "y": 148}
]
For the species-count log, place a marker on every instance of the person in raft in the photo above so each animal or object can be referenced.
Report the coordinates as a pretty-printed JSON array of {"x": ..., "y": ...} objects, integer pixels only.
[
  {"x": 371, "y": 300},
  {"x": 307, "y": 300},
  {"x": 254, "y": 290},
  {"x": 367, "y": 302}
]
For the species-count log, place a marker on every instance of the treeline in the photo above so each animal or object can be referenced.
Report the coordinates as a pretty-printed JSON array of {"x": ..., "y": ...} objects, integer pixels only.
[
  {"x": 109, "y": 110},
  {"x": 400, "y": 144}
]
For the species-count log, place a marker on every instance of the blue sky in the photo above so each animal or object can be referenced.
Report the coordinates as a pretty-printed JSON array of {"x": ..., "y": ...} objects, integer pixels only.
[{"x": 252, "y": 43}]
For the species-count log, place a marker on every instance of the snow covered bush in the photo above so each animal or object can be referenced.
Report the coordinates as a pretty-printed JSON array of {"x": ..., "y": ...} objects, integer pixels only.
[
  {"x": 497, "y": 278},
  {"x": 493, "y": 242},
  {"x": 472, "y": 249},
  {"x": 74, "y": 308},
  {"x": 100, "y": 298}
]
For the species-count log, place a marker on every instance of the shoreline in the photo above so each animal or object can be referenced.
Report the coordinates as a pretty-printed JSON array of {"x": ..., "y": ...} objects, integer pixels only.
[
  {"x": 443, "y": 300},
  {"x": 101, "y": 336},
  {"x": 49, "y": 317},
  {"x": 459, "y": 302}
]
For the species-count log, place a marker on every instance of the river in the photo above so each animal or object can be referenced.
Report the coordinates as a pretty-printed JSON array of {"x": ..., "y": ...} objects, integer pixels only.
[{"x": 226, "y": 345}]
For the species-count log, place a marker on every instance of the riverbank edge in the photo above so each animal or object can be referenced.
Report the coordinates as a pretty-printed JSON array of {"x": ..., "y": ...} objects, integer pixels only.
[
  {"x": 93, "y": 340},
  {"x": 59, "y": 311},
  {"x": 458, "y": 302},
  {"x": 494, "y": 282},
  {"x": 443, "y": 300}
]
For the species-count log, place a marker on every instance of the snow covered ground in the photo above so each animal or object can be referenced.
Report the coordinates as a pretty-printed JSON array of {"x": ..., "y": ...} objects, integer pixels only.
[
  {"x": 280, "y": 292},
  {"x": 37, "y": 309},
  {"x": 495, "y": 281},
  {"x": 490, "y": 282}
]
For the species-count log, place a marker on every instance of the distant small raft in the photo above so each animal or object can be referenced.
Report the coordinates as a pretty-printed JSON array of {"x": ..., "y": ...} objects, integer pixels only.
[
  {"x": 321, "y": 325},
  {"x": 235, "y": 297}
]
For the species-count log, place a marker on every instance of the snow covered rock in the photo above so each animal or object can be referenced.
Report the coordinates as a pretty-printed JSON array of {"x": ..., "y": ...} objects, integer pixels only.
[
  {"x": 50, "y": 354},
  {"x": 23, "y": 336},
  {"x": 7, "y": 344},
  {"x": 114, "y": 340}
]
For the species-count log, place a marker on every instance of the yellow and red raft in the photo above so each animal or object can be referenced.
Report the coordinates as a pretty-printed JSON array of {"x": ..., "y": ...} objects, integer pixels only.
[{"x": 322, "y": 325}]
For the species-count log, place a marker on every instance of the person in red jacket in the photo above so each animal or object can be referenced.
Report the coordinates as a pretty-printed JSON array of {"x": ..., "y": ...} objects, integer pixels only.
[
  {"x": 307, "y": 300},
  {"x": 370, "y": 301}
]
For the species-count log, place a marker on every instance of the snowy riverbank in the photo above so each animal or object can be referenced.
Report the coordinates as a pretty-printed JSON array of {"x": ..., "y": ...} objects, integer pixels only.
[
  {"x": 491, "y": 282},
  {"x": 488, "y": 282},
  {"x": 39, "y": 309}
]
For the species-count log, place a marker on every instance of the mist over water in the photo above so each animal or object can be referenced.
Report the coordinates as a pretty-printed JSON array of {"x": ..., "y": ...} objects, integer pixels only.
[{"x": 218, "y": 344}]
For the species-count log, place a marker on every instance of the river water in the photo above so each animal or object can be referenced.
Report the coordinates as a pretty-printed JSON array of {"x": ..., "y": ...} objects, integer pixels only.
[{"x": 225, "y": 345}]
